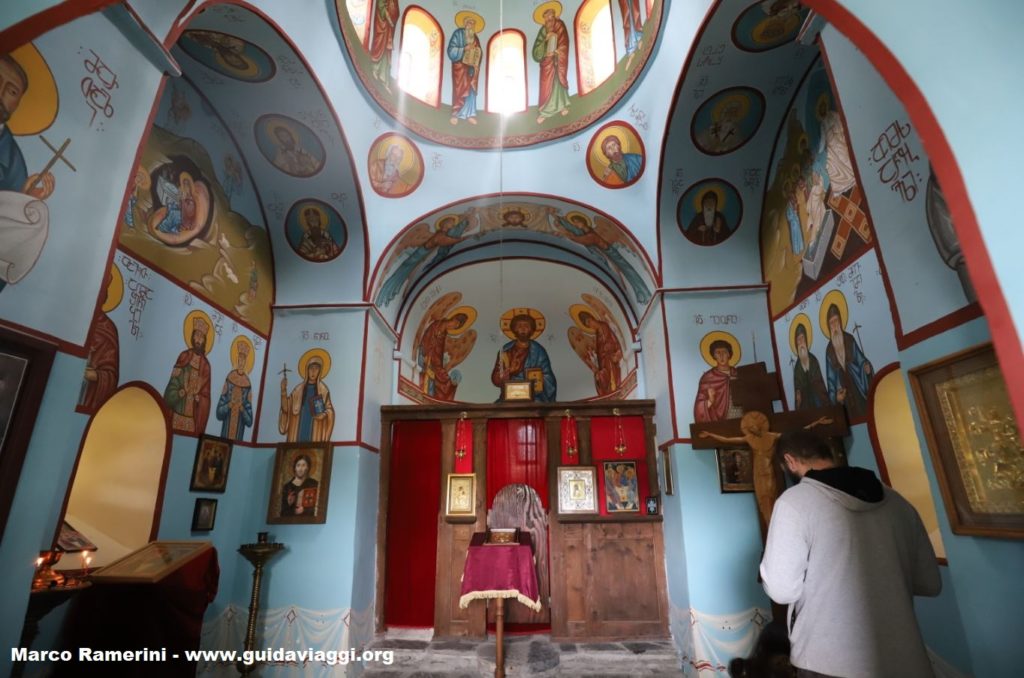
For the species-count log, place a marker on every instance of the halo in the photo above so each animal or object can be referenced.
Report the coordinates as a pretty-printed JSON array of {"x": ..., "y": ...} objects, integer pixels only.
[
  {"x": 38, "y": 107},
  {"x": 186, "y": 328},
  {"x": 623, "y": 134},
  {"x": 437, "y": 224},
  {"x": 324, "y": 219},
  {"x": 719, "y": 335},
  {"x": 251, "y": 360},
  {"x": 834, "y": 297},
  {"x": 115, "y": 290},
  {"x": 470, "y": 319},
  {"x": 801, "y": 319},
  {"x": 576, "y": 213},
  {"x": 741, "y": 99},
  {"x": 251, "y": 67},
  {"x": 506, "y": 321},
  {"x": 460, "y": 19},
  {"x": 538, "y": 14},
  {"x": 575, "y": 310},
  {"x": 408, "y": 153},
  {"x": 822, "y": 101},
  {"x": 315, "y": 353},
  {"x": 702, "y": 191}
]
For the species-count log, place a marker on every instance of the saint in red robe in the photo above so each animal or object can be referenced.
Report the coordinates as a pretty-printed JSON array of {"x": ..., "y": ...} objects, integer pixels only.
[
  {"x": 103, "y": 361},
  {"x": 712, "y": 403}
]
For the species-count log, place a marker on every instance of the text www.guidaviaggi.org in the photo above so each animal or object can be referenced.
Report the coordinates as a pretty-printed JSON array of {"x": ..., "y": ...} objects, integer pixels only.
[{"x": 247, "y": 657}]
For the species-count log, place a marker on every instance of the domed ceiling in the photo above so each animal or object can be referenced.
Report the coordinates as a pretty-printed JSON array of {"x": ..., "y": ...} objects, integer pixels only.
[{"x": 487, "y": 75}]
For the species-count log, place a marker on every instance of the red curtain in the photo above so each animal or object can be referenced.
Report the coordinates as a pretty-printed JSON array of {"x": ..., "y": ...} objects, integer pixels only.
[
  {"x": 604, "y": 433},
  {"x": 517, "y": 452},
  {"x": 414, "y": 499}
]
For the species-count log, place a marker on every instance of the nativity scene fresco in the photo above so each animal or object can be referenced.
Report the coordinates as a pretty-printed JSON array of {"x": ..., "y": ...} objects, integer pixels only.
[
  {"x": 577, "y": 59},
  {"x": 180, "y": 216},
  {"x": 815, "y": 217}
]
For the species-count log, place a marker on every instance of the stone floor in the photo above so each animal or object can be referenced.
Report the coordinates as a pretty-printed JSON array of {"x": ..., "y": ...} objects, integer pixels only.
[{"x": 534, "y": 656}]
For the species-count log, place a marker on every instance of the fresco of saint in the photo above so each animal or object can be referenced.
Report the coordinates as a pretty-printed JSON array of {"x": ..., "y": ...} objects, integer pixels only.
[
  {"x": 551, "y": 51},
  {"x": 443, "y": 340},
  {"x": 307, "y": 414},
  {"x": 523, "y": 358}
]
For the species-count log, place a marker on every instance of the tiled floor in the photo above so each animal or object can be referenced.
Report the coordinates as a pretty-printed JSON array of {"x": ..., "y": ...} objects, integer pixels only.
[{"x": 534, "y": 656}]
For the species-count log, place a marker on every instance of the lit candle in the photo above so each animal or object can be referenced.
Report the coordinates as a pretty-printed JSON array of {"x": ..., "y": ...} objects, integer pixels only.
[{"x": 39, "y": 562}]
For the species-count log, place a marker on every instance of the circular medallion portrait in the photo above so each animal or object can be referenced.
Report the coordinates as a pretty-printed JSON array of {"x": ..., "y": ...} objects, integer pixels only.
[
  {"x": 709, "y": 212},
  {"x": 315, "y": 231},
  {"x": 289, "y": 145},
  {"x": 727, "y": 120},
  {"x": 615, "y": 156},
  {"x": 395, "y": 165},
  {"x": 768, "y": 24},
  {"x": 228, "y": 55}
]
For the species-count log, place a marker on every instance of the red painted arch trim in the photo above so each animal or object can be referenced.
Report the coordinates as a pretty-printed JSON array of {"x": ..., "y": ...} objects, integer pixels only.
[
  {"x": 428, "y": 216},
  {"x": 876, "y": 444},
  {"x": 712, "y": 9},
  {"x": 168, "y": 440},
  {"x": 32, "y": 27},
  {"x": 1005, "y": 338}
]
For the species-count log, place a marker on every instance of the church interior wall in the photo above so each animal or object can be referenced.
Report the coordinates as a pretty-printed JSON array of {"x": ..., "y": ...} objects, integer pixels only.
[{"x": 711, "y": 539}]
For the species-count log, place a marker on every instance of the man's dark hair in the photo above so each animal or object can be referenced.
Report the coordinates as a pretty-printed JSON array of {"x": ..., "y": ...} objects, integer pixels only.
[
  {"x": 524, "y": 316},
  {"x": 309, "y": 462},
  {"x": 8, "y": 59},
  {"x": 800, "y": 329},
  {"x": 833, "y": 310},
  {"x": 720, "y": 343},
  {"x": 802, "y": 444}
]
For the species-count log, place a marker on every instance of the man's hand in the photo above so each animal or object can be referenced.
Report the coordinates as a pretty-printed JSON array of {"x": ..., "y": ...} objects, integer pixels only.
[{"x": 39, "y": 186}]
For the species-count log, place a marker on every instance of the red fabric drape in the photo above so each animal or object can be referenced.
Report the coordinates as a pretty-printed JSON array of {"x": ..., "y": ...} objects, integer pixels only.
[
  {"x": 517, "y": 452},
  {"x": 414, "y": 499},
  {"x": 602, "y": 444},
  {"x": 570, "y": 441}
]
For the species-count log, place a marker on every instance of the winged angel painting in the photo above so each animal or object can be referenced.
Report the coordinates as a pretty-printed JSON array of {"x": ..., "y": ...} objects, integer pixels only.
[
  {"x": 597, "y": 340},
  {"x": 443, "y": 340}
]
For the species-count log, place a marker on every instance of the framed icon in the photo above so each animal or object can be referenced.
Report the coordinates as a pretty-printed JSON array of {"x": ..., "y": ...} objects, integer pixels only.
[
  {"x": 210, "y": 469},
  {"x": 460, "y": 499},
  {"x": 577, "y": 489},
  {"x": 204, "y": 514},
  {"x": 301, "y": 481},
  {"x": 517, "y": 390}
]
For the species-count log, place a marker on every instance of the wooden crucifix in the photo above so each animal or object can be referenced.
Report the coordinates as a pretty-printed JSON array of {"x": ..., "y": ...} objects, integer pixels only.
[{"x": 753, "y": 390}]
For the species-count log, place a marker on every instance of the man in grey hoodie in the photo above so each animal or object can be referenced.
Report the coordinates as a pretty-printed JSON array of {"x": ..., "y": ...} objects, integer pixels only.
[{"x": 848, "y": 555}]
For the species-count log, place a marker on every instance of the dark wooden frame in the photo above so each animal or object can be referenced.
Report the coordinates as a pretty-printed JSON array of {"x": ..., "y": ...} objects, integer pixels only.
[
  {"x": 200, "y": 502},
  {"x": 23, "y": 410},
  {"x": 727, "y": 487},
  {"x": 324, "y": 453},
  {"x": 924, "y": 380},
  {"x": 149, "y": 554},
  {"x": 574, "y": 539},
  {"x": 201, "y": 446}
]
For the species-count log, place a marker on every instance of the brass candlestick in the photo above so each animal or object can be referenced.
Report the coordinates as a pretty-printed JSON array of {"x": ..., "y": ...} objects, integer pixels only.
[{"x": 258, "y": 554}]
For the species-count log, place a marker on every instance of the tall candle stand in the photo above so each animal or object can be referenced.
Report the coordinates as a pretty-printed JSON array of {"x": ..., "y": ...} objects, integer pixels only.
[{"x": 258, "y": 554}]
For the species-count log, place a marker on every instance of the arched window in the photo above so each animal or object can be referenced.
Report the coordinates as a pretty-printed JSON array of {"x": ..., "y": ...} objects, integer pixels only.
[
  {"x": 595, "y": 44},
  {"x": 419, "y": 66},
  {"x": 359, "y": 15},
  {"x": 506, "y": 72}
]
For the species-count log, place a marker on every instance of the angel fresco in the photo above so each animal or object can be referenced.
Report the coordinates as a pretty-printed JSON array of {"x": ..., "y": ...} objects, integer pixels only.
[
  {"x": 604, "y": 240},
  {"x": 598, "y": 342},
  {"x": 418, "y": 243},
  {"x": 443, "y": 340}
]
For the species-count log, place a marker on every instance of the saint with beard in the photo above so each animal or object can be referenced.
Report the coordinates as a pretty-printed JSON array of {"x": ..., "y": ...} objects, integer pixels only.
[
  {"x": 385, "y": 173},
  {"x": 317, "y": 244},
  {"x": 847, "y": 370},
  {"x": 708, "y": 227},
  {"x": 808, "y": 384}
]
